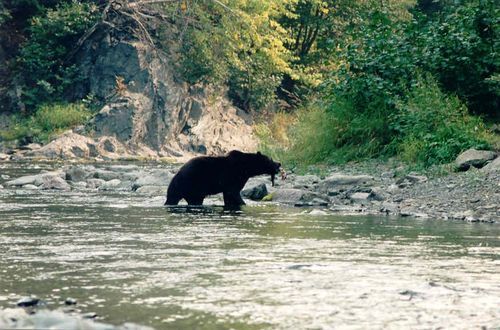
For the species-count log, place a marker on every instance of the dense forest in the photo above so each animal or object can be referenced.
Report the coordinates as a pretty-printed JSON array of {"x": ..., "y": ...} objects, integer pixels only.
[{"x": 330, "y": 81}]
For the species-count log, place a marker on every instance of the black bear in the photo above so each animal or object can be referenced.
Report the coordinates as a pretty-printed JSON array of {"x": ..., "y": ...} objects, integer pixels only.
[{"x": 203, "y": 176}]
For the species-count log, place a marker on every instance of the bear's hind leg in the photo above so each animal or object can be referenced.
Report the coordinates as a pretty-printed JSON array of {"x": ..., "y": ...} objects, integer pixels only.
[
  {"x": 233, "y": 198},
  {"x": 195, "y": 200}
]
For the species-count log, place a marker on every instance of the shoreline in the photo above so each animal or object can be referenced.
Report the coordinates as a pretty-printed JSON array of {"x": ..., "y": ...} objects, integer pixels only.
[{"x": 369, "y": 188}]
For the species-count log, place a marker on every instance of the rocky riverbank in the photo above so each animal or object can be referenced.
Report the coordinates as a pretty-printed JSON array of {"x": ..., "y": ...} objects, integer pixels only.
[
  {"x": 472, "y": 195},
  {"x": 31, "y": 318}
]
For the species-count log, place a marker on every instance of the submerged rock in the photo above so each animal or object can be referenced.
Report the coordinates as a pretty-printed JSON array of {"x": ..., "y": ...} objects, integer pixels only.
[
  {"x": 28, "y": 302},
  {"x": 70, "y": 301},
  {"x": 152, "y": 190}
]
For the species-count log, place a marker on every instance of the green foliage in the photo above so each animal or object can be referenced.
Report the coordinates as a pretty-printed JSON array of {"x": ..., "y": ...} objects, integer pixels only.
[
  {"x": 433, "y": 128},
  {"x": 461, "y": 48},
  {"x": 43, "y": 67},
  {"x": 236, "y": 42},
  {"x": 425, "y": 127},
  {"x": 47, "y": 121}
]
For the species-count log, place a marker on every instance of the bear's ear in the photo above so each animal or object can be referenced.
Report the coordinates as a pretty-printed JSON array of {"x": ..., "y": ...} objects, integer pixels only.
[{"x": 258, "y": 153}]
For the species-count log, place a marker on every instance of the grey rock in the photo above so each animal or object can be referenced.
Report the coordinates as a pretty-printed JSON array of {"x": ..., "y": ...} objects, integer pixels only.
[
  {"x": 389, "y": 208},
  {"x": 5, "y": 176},
  {"x": 360, "y": 197},
  {"x": 95, "y": 183},
  {"x": 79, "y": 173},
  {"x": 493, "y": 166},
  {"x": 54, "y": 182},
  {"x": 79, "y": 185},
  {"x": 70, "y": 301},
  {"x": 106, "y": 175},
  {"x": 68, "y": 145},
  {"x": 415, "y": 178},
  {"x": 24, "y": 180},
  {"x": 409, "y": 180},
  {"x": 113, "y": 184},
  {"x": 36, "y": 179},
  {"x": 334, "y": 181},
  {"x": 305, "y": 181},
  {"x": 152, "y": 109},
  {"x": 4, "y": 156},
  {"x": 123, "y": 168},
  {"x": 89, "y": 315},
  {"x": 297, "y": 197},
  {"x": 28, "y": 302},
  {"x": 473, "y": 157},
  {"x": 30, "y": 187},
  {"x": 316, "y": 201},
  {"x": 317, "y": 212},
  {"x": 255, "y": 193},
  {"x": 159, "y": 177},
  {"x": 19, "y": 318},
  {"x": 30, "y": 146}
]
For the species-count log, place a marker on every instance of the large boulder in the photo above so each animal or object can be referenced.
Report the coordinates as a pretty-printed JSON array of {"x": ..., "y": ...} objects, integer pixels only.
[
  {"x": 494, "y": 166},
  {"x": 67, "y": 145},
  {"x": 36, "y": 179},
  {"x": 79, "y": 173},
  {"x": 159, "y": 177},
  {"x": 473, "y": 157},
  {"x": 54, "y": 182}
]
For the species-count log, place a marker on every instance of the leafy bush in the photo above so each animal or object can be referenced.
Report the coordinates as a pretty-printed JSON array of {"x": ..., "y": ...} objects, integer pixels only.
[
  {"x": 425, "y": 127},
  {"x": 433, "y": 128},
  {"x": 47, "y": 121},
  {"x": 44, "y": 68},
  {"x": 460, "y": 48},
  {"x": 237, "y": 43}
]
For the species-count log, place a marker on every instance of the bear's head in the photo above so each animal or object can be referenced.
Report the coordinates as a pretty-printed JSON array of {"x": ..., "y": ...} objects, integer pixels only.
[
  {"x": 267, "y": 166},
  {"x": 256, "y": 164}
]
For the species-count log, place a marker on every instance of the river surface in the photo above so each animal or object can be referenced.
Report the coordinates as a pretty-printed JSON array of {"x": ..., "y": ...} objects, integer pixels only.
[{"x": 128, "y": 259}]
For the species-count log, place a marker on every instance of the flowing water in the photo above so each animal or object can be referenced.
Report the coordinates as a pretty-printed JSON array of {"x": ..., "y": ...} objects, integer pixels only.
[{"x": 128, "y": 259}]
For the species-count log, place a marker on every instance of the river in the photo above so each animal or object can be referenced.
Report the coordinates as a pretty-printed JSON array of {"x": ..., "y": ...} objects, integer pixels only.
[{"x": 129, "y": 259}]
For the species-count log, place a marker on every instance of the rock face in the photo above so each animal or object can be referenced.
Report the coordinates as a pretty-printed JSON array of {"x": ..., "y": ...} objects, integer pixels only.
[
  {"x": 473, "y": 157},
  {"x": 147, "y": 109}
]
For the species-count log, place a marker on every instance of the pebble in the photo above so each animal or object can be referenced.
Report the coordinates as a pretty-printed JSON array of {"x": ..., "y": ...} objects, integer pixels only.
[{"x": 70, "y": 301}]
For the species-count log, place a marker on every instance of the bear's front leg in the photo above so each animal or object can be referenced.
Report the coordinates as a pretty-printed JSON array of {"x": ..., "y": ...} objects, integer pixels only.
[{"x": 232, "y": 198}]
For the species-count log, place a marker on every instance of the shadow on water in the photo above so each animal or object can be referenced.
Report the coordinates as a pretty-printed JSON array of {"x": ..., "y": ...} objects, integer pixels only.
[{"x": 204, "y": 209}]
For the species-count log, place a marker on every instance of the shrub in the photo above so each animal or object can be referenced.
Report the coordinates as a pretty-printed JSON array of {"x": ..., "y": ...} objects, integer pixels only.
[
  {"x": 48, "y": 120},
  {"x": 54, "y": 117},
  {"x": 44, "y": 67},
  {"x": 461, "y": 50},
  {"x": 433, "y": 128}
]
